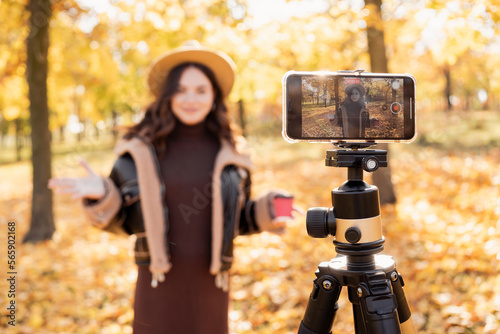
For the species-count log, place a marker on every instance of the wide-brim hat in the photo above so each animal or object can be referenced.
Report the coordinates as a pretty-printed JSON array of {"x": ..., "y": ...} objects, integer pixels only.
[
  {"x": 191, "y": 51},
  {"x": 348, "y": 90}
]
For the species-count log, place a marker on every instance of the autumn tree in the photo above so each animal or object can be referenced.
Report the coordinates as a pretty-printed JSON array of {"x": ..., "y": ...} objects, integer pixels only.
[
  {"x": 14, "y": 104},
  {"x": 378, "y": 63},
  {"x": 42, "y": 220},
  {"x": 447, "y": 44}
]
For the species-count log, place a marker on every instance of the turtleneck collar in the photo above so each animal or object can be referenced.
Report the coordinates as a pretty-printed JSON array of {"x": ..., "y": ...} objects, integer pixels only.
[{"x": 183, "y": 131}]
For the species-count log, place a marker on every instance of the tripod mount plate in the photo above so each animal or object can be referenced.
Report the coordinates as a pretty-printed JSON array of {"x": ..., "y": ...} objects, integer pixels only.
[
  {"x": 355, "y": 145},
  {"x": 356, "y": 158}
]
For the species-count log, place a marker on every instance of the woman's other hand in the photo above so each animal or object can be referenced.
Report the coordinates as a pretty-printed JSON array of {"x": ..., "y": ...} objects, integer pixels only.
[
  {"x": 283, "y": 207},
  {"x": 90, "y": 186}
]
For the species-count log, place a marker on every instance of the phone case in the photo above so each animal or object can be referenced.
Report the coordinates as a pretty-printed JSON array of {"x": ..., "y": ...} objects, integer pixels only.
[{"x": 360, "y": 73}]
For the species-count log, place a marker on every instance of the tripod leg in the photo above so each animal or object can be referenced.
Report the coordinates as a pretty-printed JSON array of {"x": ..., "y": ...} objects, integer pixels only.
[
  {"x": 378, "y": 304},
  {"x": 322, "y": 306},
  {"x": 404, "y": 312},
  {"x": 359, "y": 322}
]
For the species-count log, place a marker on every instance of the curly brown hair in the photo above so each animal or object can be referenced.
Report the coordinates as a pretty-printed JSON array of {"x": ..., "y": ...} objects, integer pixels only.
[{"x": 159, "y": 120}]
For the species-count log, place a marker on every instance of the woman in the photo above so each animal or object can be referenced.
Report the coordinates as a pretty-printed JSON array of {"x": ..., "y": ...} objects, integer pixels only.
[
  {"x": 181, "y": 184},
  {"x": 353, "y": 112}
]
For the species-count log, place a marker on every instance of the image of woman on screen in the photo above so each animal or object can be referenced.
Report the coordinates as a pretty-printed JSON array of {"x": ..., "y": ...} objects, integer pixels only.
[{"x": 353, "y": 112}]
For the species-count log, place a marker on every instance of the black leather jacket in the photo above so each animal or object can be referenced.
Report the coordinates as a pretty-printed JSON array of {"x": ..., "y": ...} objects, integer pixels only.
[{"x": 238, "y": 209}]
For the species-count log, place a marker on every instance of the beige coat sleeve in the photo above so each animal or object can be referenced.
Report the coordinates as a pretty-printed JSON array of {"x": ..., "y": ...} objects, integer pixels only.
[{"x": 102, "y": 212}]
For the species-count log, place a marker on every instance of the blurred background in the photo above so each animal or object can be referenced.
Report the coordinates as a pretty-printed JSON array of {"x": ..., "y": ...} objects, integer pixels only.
[{"x": 72, "y": 76}]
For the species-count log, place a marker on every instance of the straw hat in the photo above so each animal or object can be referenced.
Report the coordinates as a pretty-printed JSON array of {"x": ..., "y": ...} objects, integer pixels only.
[{"x": 192, "y": 52}]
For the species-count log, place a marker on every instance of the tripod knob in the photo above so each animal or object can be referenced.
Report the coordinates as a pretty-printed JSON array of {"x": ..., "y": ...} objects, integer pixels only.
[
  {"x": 353, "y": 234},
  {"x": 320, "y": 222},
  {"x": 370, "y": 164}
]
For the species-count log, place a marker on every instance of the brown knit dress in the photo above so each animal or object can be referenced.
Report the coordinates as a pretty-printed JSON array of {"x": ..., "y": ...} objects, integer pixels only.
[{"x": 188, "y": 302}]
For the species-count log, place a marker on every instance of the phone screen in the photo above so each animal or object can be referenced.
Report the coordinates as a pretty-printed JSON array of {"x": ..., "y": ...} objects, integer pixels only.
[{"x": 343, "y": 107}]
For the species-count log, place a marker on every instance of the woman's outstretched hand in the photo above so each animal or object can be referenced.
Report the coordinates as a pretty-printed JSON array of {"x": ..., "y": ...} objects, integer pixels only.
[{"x": 90, "y": 186}]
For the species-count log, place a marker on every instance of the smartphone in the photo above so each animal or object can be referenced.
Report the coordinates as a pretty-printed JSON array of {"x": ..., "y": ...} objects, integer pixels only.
[{"x": 348, "y": 106}]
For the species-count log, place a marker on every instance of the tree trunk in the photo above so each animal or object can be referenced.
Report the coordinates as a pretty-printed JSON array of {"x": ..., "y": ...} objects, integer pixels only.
[
  {"x": 241, "y": 113},
  {"x": 378, "y": 63},
  {"x": 19, "y": 145},
  {"x": 61, "y": 134},
  {"x": 97, "y": 134},
  {"x": 375, "y": 36},
  {"x": 447, "y": 89},
  {"x": 115, "y": 125},
  {"x": 382, "y": 179},
  {"x": 42, "y": 221},
  {"x": 468, "y": 97}
]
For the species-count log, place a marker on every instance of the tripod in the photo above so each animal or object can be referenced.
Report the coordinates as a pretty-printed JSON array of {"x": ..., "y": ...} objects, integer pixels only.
[{"x": 374, "y": 286}]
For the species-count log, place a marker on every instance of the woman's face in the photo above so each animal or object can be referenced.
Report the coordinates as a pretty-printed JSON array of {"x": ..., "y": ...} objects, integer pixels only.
[
  {"x": 355, "y": 95},
  {"x": 194, "y": 98}
]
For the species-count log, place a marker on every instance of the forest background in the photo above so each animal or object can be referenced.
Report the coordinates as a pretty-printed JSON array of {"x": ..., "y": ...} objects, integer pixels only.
[{"x": 443, "y": 231}]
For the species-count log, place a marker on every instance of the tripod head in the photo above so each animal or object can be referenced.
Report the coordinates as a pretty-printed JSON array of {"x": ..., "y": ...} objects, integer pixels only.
[{"x": 354, "y": 219}]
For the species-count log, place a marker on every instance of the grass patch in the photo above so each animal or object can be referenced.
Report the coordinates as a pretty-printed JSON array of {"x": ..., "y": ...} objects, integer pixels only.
[
  {"x": 469, "y": 130},
  {"x": 9, "y": 155}
]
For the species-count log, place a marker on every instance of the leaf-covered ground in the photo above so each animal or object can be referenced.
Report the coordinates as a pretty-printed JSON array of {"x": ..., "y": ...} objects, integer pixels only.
[{"x": 444, "y": 234}]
